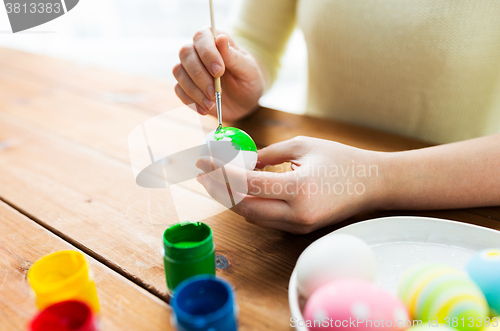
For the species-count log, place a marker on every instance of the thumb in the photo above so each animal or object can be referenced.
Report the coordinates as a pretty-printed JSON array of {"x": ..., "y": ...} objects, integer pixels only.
[
  {"x": 234, "y": 60},
  {"x": 288, "y": 150}
]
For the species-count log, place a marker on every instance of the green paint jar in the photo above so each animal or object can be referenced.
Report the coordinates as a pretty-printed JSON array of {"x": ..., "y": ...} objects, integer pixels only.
[{"x": 188, "y": 250}]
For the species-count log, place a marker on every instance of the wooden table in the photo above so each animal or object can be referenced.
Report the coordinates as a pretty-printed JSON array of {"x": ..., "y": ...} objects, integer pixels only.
[{"x": 66, "y": 182}]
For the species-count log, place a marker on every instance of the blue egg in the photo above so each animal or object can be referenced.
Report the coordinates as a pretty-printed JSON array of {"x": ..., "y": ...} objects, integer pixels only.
[{"x": 484, "y": 269}]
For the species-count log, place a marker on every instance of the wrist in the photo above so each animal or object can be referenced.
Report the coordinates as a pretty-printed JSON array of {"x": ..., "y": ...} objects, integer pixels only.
[{"x": 383, "y": 181}]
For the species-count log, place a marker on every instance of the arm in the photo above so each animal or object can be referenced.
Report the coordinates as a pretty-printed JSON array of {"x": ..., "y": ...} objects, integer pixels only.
[
  {"x": 263, "y": 28},
  {"x": 331, "y": 181},
  {"x": 458, "y": 175}
]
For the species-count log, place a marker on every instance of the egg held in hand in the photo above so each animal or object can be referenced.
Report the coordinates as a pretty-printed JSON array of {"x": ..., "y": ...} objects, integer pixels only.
[
  {"x": 439, "y": 292},
  {"x": 484, "y": 269},
  {"x": 237, "y": 141},
  {"x": 332, "y": 257},
  {"x": 354, "y": 304}
]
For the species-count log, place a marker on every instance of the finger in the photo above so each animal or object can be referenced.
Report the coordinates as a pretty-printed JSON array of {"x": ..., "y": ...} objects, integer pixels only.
[
  {"x": 234, "y": 60},
  {"x": 283, "y": 186},
  {"x": 219, "y": 192},
  {"x": 224, "y": 33},
  {"x": 197, "y": 71},
  {"x": 191, "y": 90},
  {"x": 288, "y": 150},
  {"x": 204, "y": 44},
  {"x": 183, "y": 96},
  {"x": 269, "y": 213},
  {"x": 263, "y": 210},
  {"x": 216, "y": 172},
  {"x": 187, "y": 100}
]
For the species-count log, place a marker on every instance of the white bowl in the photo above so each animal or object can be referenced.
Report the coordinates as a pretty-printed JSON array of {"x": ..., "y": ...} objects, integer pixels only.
[{"x": 399, "y": 242}]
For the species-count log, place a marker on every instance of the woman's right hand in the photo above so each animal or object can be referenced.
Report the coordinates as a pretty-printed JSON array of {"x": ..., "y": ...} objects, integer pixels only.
[{"x": 206, "y": 58}]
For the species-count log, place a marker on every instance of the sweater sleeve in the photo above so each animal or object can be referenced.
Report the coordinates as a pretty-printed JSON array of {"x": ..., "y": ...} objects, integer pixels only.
[{"x": 263, "y": 28}]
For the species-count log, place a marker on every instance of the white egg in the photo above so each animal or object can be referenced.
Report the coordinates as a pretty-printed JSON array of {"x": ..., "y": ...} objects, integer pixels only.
[
  {"x": 335, "y": 256},
  {"x": 239, "y": 143}
]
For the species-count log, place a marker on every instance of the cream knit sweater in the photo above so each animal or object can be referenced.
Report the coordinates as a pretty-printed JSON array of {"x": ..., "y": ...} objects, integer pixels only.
[{"x": 428, "y": 69}]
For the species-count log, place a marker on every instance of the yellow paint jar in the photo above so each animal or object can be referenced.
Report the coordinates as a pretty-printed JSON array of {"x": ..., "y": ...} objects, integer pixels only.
[{"x": 60, "y": 276}]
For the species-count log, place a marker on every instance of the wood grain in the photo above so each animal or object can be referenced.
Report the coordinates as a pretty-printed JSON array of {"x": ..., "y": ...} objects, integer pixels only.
[
  {"x": 124, "y": 305},
  {"x": 93, "y": 83},
  {"x": 64, "y": 160},
  {"x": 267, "y": 126},
  {"x": 94, "y": 202}
]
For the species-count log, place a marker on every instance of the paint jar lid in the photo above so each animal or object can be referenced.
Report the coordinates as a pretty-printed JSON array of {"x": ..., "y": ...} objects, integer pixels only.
[
  {"x": 187, "y": 241},
  {"x": 65, "y": 316},
  {"x": 63, "y": 271},
  {"x": 204, "y": 302}
]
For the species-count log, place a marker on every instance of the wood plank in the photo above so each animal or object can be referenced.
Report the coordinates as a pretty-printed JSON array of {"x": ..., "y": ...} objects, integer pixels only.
[
  {"x": 80, "y": 114},
  {"x": 47, "y": 108},
  {"x": 100, "y": 125},
  {"x": 489, "y": 212},
  {"x": 124, "y": 305},
  {"x": 94, "y": 200},
  {"x": 43, "y": 99},
  {"x": 92, "y": 82},
  {"x": 266, "y": 126}
]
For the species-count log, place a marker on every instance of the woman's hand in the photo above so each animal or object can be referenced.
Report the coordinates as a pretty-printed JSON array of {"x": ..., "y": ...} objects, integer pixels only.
[
  {"x": 206, "y": 58},
  {"x": 329, "y": 183}
]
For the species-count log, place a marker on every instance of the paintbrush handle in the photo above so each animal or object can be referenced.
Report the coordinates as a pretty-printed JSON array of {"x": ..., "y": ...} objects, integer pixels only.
[
  {"x": 212, "y": 21},
  {"x": 217, "y": 84}
]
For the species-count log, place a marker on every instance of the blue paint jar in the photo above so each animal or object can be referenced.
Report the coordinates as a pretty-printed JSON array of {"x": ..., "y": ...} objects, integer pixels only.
[{"x": 204, "y": 303}]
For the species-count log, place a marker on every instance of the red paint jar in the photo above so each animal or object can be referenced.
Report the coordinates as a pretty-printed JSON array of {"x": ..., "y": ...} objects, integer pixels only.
[{"x": 65, "y": 316}]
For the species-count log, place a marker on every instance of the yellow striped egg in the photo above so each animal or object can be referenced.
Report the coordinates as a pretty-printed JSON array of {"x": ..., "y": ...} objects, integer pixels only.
[{"x": 434, "y": 291}]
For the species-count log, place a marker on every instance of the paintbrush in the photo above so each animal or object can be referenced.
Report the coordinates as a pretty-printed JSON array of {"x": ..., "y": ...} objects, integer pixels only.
[{"x": 216, "y": 80}]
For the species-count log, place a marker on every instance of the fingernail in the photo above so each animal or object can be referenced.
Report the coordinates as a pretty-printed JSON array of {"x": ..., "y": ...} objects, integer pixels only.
[
  {"x": 199, "y": 178},
  {"x": 202, "y": 165},
  {"x": 216, "y": 68},
  {"x": 199, "y": 164},
  {"x": 211, "y": 91},
  {"x": 209, "y": 104},
  {"x": 200, "y": 110}
]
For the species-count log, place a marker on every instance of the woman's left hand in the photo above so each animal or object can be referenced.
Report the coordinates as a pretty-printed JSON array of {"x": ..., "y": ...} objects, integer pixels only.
[{"x": 329, "y": 183}]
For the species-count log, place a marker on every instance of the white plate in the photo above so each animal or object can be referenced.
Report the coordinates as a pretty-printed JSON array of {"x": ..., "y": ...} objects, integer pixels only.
[{"x": 402, "y": 241}]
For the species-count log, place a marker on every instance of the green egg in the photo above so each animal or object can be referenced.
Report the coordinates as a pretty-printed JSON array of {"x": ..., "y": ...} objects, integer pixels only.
[{"x": 240, "y": 139}]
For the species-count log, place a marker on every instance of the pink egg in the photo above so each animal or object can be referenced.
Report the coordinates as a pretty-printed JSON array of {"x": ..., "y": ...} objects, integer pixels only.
[{"x": 353, "y": 304}]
